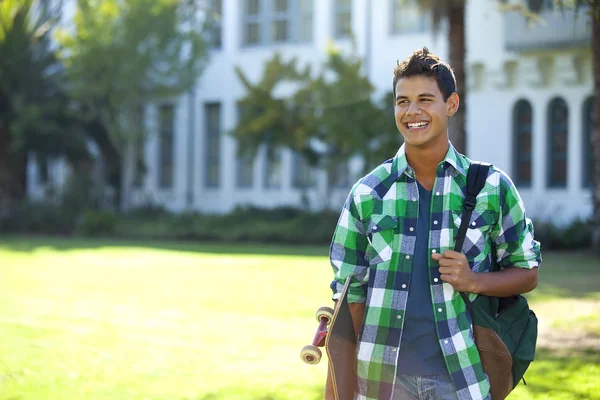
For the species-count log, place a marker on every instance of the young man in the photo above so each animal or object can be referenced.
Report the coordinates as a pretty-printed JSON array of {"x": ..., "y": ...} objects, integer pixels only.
[{"x": 395, "y": 239}]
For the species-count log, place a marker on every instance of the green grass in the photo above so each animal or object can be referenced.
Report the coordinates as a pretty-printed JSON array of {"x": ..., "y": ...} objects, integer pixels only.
[{"x": 104, "y": 319}]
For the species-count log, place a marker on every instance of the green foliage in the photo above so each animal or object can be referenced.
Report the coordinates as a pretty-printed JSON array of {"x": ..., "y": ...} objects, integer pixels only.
[
  {"x": 328, "y": 118},
  {"x": 121, "y": 54},
  {"x": 267, "y": 119},
  {"x": 35, "y": 112},
  {"x": 38, "y": 217},
  {"x": 97, "y": 223},
  {"x": 577, "y": 235}
]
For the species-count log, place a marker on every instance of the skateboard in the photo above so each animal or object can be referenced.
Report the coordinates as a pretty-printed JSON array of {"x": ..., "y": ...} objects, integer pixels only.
[{"x": 336, "y": 333}]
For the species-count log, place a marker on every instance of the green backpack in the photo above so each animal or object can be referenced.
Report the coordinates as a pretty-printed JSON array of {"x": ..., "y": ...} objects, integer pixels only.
[{"x": 509, "y": 317}]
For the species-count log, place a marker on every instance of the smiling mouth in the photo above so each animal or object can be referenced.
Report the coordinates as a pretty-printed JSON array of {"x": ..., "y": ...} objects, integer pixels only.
[{"x": 416, "y": 125}]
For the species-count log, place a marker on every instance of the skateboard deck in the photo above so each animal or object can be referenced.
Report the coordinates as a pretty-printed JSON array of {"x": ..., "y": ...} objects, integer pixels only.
[{"x": 340, "y": 345}]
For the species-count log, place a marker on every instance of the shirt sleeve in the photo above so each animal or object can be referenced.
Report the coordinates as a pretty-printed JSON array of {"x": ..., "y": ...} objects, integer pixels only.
[
  {"x": 514, "y": 234},
  {"x": 347, "y": 254}
]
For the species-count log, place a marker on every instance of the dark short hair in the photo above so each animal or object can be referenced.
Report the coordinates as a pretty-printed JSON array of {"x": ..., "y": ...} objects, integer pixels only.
[{"x": 424, "y": 63}]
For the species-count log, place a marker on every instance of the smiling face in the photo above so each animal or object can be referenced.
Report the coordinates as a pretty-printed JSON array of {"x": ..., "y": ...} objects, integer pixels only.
[{"x": 421, "y": 112}]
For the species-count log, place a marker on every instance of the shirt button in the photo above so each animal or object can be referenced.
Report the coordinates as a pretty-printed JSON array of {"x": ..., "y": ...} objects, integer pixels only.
[
  {"x": 375, "y": 228},
  {"x": 445, "y": 341},
  {"x": 434, "y": 251},
  {"x": 394, "y": 350},
  {"x": 474, "y": 223},
  {"x": 437, "y": 193},
  {"x": 404, "y": 286},
  {"x": 439, "y": 310},
  {"x": 435, "y": 279},
  {"x": 414, "y": 199},
  {"x": 435, "y": 222},
  {"x": 399, "y": 316},
  {"x": 411, "y": 229},
  {"x": 407, "y": 257}
]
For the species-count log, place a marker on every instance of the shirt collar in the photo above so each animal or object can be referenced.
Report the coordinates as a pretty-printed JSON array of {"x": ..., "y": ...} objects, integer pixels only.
[{"x": 453, "y": 158}]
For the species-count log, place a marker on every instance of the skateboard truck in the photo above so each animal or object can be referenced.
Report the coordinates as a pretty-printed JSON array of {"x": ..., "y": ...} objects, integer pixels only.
[{"x": 311, "y": 354}]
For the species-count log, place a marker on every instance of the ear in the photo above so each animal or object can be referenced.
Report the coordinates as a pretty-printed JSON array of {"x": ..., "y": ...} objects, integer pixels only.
[{"x": 452, "y": 104}]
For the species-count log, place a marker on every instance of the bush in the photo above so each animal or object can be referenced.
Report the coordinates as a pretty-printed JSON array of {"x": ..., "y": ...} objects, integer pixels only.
[
  {"x": 285, "y": 225},
  {"x": 97, "y": 223},
  {"x": 577, "y": 235},
  {"x": 37, "y": 217}
]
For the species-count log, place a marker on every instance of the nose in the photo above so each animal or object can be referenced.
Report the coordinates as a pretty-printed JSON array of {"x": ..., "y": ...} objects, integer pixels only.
[{"x": 413, "y": 109}]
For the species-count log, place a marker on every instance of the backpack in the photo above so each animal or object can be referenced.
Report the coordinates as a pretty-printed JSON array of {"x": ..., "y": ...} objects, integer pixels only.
[{"x": 505, "y": 328}]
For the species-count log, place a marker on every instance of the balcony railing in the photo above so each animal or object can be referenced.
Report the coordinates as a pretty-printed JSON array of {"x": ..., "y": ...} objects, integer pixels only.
[{"x": 559, "y": 29}]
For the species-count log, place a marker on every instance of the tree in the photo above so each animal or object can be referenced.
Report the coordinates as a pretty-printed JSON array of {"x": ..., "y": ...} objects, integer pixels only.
[
  {"x": 328, "y": 119},
  {"x": 453, "y": 11},
  {"x": 121, "y": 55},
  {"x": 35, "y": 114}
]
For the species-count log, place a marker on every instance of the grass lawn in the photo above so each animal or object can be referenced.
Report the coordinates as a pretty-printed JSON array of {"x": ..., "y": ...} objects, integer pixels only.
[{"x": 114, "y": 320}]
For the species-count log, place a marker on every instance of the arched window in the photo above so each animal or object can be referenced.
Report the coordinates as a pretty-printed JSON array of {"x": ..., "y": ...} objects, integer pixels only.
[
  {"x": 522, "y": 137},
  {"x": 558, "y": 135},
  {"x": 588, "y": 118}
]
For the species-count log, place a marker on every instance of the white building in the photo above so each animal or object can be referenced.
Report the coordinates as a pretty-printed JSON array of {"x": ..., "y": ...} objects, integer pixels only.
[{"x": 529, "y": 97}]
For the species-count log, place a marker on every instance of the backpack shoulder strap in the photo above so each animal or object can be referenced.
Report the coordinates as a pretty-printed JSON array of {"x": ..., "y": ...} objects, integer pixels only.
[{"x": 476, "y": 177}]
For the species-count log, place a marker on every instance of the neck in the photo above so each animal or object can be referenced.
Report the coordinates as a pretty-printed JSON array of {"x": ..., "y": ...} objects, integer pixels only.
[{"x": 424, "y": 162}]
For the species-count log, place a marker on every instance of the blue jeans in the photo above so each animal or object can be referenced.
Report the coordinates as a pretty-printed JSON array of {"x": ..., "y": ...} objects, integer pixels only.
[{"x": 430, "y": 387}]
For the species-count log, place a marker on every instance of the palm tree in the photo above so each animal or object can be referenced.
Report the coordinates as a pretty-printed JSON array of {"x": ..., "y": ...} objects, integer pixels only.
[
  {"x": 26, "y": 62},
  {"x": 35, "y": 116}
]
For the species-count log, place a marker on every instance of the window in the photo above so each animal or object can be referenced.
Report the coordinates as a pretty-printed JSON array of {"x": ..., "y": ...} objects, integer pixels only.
[
  {"x": 273, "y": 159},
  {"x": 166, "y": 117},
  {"x": 139, "y": 155},
  {"x": 43, "y": 166},
  {"x": 302, "y": 173},
  {"x": 407, "y": 17},
  {"x": 588, "y": 123},
  {"x": 215, "y": 24},
  {"x": 245, "y": 164},
  {"x": 558, "y": 133},
  {"x": 522, "y": 137},
  {"x": 341, "y": 175},
  {"x": 212, "y": 118},
  {"x": 342, "y": 23},
  {"x": 538, "y": 6},
  {"x": 276, "y": 21}
]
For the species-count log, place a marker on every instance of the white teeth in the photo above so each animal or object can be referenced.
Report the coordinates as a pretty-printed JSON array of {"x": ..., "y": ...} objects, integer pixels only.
[{"x": 418, "y": 125}]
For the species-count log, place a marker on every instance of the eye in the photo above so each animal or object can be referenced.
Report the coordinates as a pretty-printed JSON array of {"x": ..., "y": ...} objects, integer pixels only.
[
  {"x": 425, "y": 100},
  {"x": 402, "y": 101}
]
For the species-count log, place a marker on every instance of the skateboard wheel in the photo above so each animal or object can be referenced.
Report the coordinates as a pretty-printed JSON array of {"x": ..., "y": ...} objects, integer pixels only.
[
  {"x": 311, "y": 354},
  {"x": 324, "y": 312}
]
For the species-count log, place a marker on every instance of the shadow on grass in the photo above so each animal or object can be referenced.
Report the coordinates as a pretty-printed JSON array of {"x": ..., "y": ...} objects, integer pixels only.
[
  {"x": 280, "y": 393},
  {"x": 33, "y": 243}
]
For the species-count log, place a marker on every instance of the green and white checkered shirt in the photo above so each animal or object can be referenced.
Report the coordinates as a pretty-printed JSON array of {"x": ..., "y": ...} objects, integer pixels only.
[{"x": 374, "y": 242}]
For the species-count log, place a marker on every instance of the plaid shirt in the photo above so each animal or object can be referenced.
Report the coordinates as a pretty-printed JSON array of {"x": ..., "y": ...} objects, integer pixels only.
[{"x": 374, "y": 242}]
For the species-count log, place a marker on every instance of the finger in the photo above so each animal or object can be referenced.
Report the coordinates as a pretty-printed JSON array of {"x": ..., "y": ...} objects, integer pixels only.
[
  {"x": 453, "y": 254},
  {"x": 437, "y": 256},
  {"x": 448, "y": 262},
  {"x": 448, "y": 271},
  {"x": 448, "y": 278}
]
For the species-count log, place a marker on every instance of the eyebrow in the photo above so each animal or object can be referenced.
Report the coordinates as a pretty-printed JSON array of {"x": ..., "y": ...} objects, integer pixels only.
[{"x": 421, "y": 95}]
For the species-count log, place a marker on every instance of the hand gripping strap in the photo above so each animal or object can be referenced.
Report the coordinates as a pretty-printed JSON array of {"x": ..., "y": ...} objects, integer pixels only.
[{"x": 476, "y": 178}]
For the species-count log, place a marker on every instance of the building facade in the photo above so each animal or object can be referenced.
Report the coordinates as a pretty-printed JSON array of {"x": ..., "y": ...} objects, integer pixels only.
[{"x": 529, "y": 102}]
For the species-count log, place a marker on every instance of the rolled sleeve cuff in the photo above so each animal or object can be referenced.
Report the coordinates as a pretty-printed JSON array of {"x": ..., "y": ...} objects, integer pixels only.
[{"x": 356, "y": 292}]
